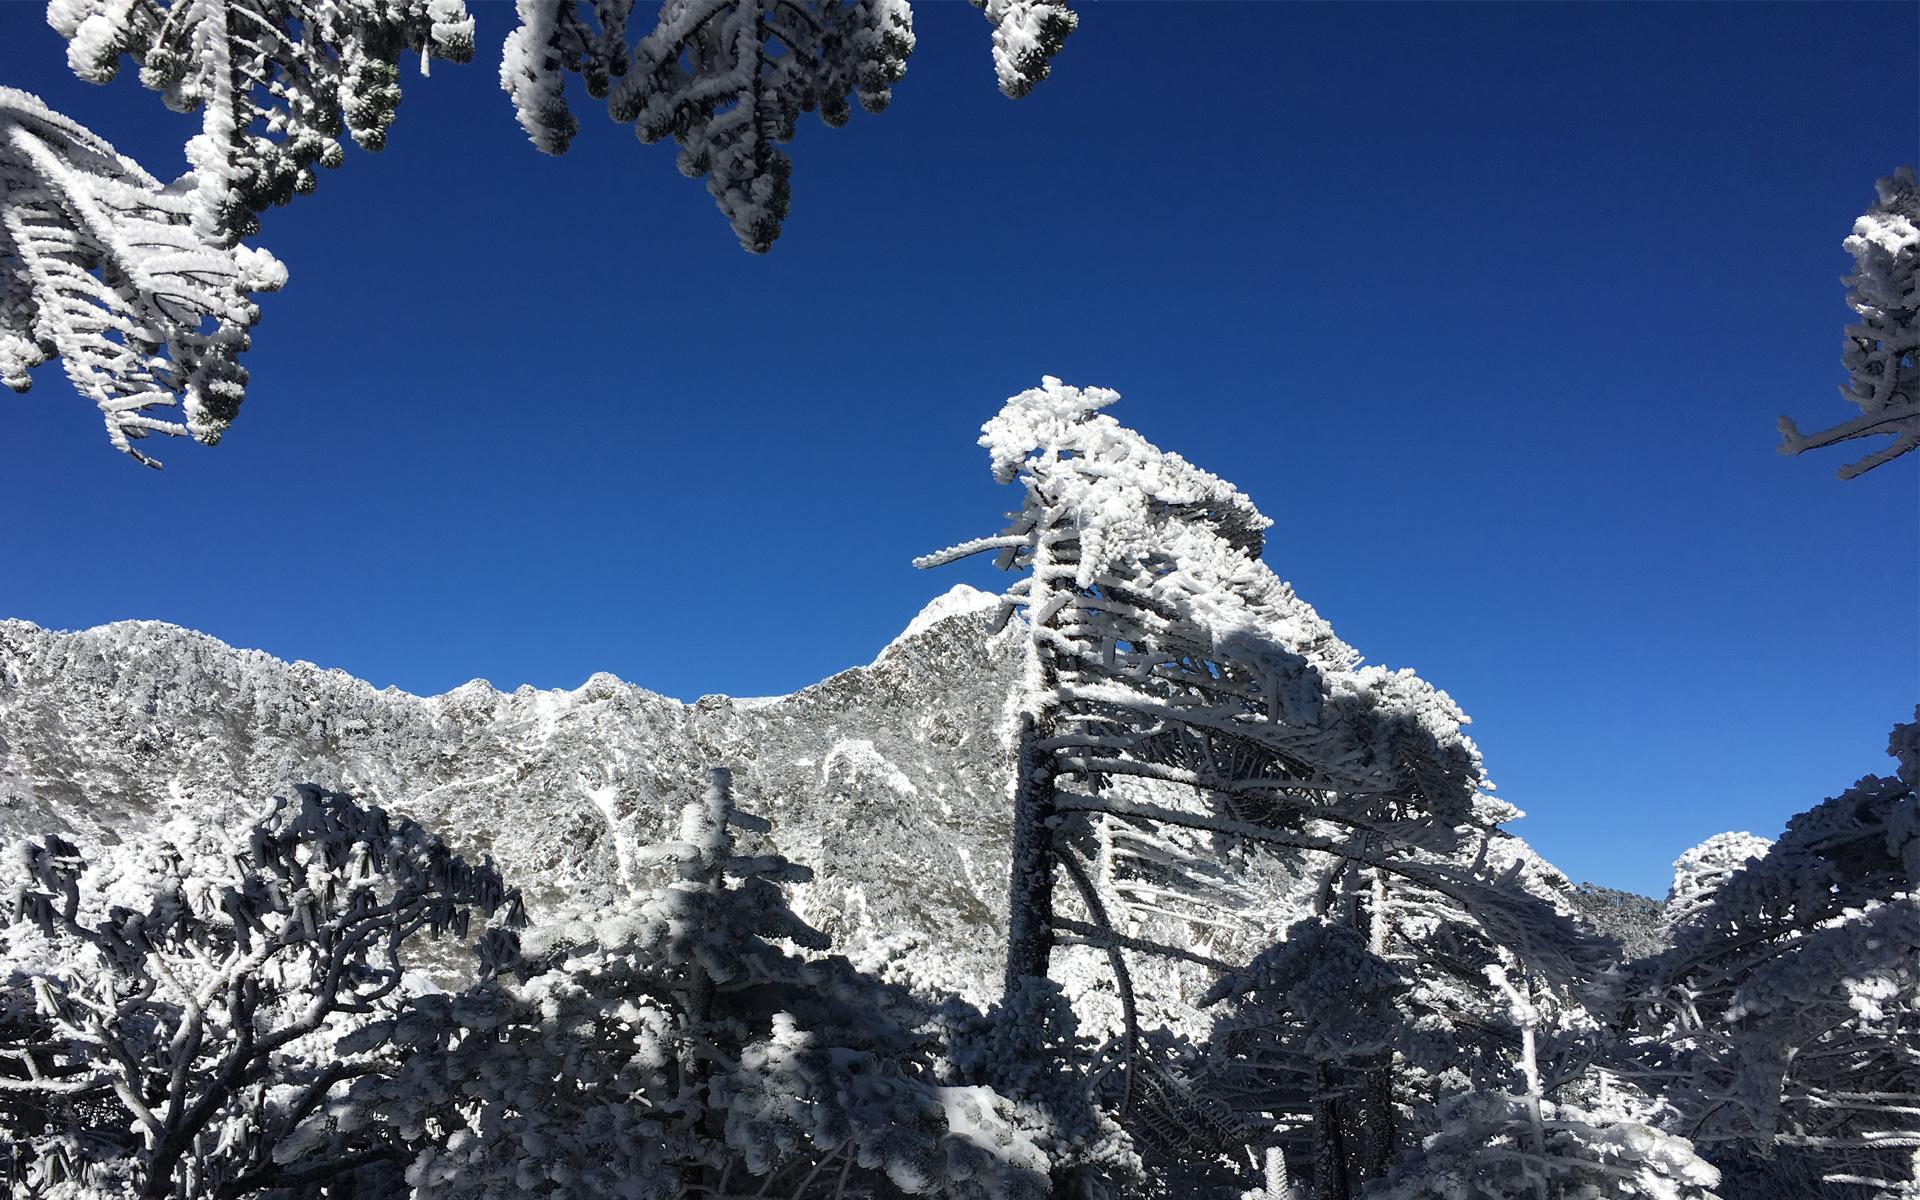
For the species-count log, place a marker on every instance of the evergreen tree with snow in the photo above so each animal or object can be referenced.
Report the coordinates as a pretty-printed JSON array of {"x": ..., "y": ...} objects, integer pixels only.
[
  {"x": 1882, "y": 354},
  {"x": 699, "y": 1044},
  {"x": 1179, "y": 700}
]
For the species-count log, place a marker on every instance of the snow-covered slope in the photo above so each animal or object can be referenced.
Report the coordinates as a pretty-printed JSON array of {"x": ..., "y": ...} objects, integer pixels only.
[{"x": 888, "y": 779}]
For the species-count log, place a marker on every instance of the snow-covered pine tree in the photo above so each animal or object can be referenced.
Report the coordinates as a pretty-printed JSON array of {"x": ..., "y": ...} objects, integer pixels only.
[
  {"x": 689, "y": 1047},
  {"x": 117, "y": 276},
  {"x": 202, "y": 1001},
  {"x": 1783, "y": 1024},
  {"x": 1882, "y": 354},
  {"x": 725, "y": 79},
  {"x": 1179, "y": 699}
]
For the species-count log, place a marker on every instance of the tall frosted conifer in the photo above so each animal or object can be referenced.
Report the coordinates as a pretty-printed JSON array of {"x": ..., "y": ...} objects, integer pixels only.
[{"x": 1175, "y": 686}]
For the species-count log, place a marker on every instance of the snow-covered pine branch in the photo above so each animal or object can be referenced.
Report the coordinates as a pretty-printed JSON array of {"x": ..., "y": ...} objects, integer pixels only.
[
  {"x": 1026, "y": 36},
  {"x": 277, "y": 82},
  {"x": 117, "y": 276},
  {"x": 1882, "y": 354},
  {"x": 727, "y": 80}
]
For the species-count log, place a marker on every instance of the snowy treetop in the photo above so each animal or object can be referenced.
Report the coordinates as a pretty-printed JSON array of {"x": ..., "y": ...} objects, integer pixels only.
[{"x": 1882, "y": 354}]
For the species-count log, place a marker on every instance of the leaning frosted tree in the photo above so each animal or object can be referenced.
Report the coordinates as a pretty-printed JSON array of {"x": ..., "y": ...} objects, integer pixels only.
[
  {"x": 1181, "y": 704},
  {"x": 1882, "y": 355}
]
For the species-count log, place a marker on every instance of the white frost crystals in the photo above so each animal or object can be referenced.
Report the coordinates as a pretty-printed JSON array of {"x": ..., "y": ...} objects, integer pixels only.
[
  {"x": 725, "y": 79},
  {"x": 103, "y": 267},
  {"x": 1882, "y": 353}
]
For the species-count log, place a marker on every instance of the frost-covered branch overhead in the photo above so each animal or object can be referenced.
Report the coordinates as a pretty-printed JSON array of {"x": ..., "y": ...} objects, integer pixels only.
[
  {"x": 276, "y": 82},
  {"x": 727, "y": 80},
  {"x": 119, "y": 278},
  {"x": 144, "y": 291},
  {"x": 1882, "y": 355}
]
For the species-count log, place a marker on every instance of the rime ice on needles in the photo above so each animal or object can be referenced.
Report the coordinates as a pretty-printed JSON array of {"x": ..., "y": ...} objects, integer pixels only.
[
  {"x": 117, "y": 276},
  {"x": 276, "y": 82},
  {"x": 725, "y": 79},
  {"x": 1882, "y": 354},
  {"x": 1026, "y": 36}
]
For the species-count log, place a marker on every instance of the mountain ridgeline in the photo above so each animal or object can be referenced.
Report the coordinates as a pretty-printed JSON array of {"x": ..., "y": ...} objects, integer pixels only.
[
  {"x": 888, "y": 779},
  {"x": 883, "y": 774}
]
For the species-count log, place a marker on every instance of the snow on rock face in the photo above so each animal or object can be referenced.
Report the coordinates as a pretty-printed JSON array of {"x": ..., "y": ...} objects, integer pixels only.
[
  {"x": 887, "y": 779},
  {"x": 960, "y": 600}
]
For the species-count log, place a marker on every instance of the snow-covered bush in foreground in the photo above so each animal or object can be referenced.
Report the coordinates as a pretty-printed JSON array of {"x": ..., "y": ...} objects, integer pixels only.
[{"x": 201, "y": 1002}]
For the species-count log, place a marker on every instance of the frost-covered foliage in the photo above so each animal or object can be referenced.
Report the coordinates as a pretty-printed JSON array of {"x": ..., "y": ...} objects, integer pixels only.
[
  {"x": 1181, "y": 705},
  {"x": 116, "y": 276},
  {"x": 1700, "y": 873},
  {"x": 1882, "y": 354},
  {"x": 687, "y": 1046},
  {"x": 201, "y": 1001},
  {"x": 1026, "y": 36},
  {"x": 1784, "y": 1021},
  {"x": 1531, "y": 1144},
  {"x": 1498, "y": 1146},
  {"x": 727, "y": 80},
  {"x": 276, "y": 83},
  {"x": 104, "y": 267}
]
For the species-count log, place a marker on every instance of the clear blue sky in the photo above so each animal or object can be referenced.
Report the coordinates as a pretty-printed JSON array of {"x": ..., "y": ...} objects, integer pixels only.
[{"x": 1490, "y": 308}]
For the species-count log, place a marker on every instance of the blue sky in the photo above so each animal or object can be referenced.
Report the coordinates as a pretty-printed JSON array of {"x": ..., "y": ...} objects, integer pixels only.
[{"x": 1490, "y": 308}]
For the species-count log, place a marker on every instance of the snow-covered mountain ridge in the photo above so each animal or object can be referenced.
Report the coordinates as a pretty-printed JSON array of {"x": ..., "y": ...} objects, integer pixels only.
[{"x": 888, "y": 779}]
